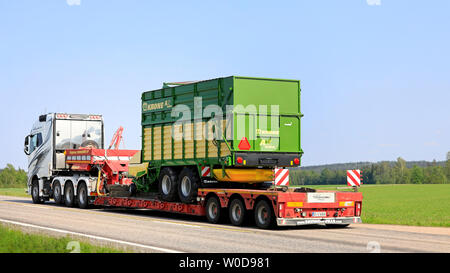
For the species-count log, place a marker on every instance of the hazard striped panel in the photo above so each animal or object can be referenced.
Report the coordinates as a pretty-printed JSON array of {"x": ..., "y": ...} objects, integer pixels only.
[
  {"x": 206, "y": 171},
  {"x": 354, "y": 178},
  {"x": 281, "y": 177}
]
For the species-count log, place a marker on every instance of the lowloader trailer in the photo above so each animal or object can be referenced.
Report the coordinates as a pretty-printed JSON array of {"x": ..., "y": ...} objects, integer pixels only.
[
  {"x": 269, "y": 208},
  {"x": 219, "y": 148}
]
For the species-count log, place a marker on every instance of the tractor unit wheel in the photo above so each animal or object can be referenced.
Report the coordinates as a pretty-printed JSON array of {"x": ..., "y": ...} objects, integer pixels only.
[
  {"x": 167, "y": 183},
  {"x": 188, "y": 183},
  {"x": 237, "y": 212},
  {"x": 69, "y": 195},
  {"x": 35, "y": 193},
  {"x": 57, "y": 193},
  {"x": 82, "y": 196}
]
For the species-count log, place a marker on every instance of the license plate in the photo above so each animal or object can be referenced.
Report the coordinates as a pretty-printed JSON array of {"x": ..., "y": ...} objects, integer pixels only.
[
  {"x": 319, "y": 214},
  {"x": 321, "y": 197}
]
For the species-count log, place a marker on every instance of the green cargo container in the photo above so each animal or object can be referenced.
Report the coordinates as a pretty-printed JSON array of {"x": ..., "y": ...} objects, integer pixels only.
[{"x": 225, "y": 123}]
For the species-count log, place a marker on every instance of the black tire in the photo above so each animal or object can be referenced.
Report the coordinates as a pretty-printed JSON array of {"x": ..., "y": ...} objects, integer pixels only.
[
  {"x": 82, "y": 196},
  {"x": 264, "y": 216},
  {"x": 337, "y": 225},
  {"x": 213, "y": 210},
  {"x": 69, "y": 195},
  {"x": 237, "y": 212},
  {"x": 89, "y": 144},
  {"x": 35, "y": 193},
  {"x": 188, "y": 183},
  {"x": 132, "y": 189},
  {"x": 167, "y": 184},
  {"x": 57, "y": 193}
]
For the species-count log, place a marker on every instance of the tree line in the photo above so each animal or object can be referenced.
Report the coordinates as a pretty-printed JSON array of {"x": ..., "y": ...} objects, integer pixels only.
[
  {"x": 12, "y": 178},
  {"x": 385, "y": 172}
]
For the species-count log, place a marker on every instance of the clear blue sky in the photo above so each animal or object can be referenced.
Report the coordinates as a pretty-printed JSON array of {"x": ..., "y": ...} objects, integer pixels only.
[{"x": 375, "y": 78}]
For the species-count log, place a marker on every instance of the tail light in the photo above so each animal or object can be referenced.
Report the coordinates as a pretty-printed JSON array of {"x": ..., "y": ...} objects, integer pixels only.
[
  {"x": 239, "y": 160},
  {"x": 358, "y": 209},
  {"x": 296, "y": 161}
]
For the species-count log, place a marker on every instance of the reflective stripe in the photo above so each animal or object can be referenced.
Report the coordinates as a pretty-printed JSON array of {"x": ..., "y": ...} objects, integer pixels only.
[
  {"x": 206, "y": 171},
  {"x": 281, "y": 177}
]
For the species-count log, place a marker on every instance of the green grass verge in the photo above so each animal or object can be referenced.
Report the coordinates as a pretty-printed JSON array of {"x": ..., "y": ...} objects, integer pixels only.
[
  {"x": 16, "y": 241},
  {"x": 414, "y": 205},
  {"x": 20, "y": 192}
]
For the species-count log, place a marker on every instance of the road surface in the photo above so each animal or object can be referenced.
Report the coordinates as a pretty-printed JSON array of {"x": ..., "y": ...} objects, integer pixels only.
[{"x": 152, "y": 231}]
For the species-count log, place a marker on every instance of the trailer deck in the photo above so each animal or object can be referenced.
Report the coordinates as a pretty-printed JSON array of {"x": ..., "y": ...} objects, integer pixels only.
[{"x": 290, "y": 208}]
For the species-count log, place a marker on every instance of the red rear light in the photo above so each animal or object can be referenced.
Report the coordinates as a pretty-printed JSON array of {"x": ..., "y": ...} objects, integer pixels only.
[
  {"x": 239, "y": 160},
  {"x": 358, "y": 209},
  {"x": 296, "y": 161}
]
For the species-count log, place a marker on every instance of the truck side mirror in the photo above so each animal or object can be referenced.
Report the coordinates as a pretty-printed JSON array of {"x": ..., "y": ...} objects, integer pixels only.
[{"x": 27, "y": 145}]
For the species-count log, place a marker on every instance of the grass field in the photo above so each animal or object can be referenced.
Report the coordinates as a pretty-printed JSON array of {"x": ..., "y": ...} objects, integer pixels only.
[
  {"x": 14, "y": 192},
  {"x": 16, "y": 241},
  {"x": 415, "y": 205}
]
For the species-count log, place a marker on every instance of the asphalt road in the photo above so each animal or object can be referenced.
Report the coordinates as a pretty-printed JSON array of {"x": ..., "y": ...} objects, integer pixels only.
[{"x": 152, "y": 231}]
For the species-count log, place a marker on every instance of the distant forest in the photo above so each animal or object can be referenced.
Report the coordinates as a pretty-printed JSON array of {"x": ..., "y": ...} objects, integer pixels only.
[
  {"x": 12, "y": 178},
  {"x": 385, "y": 172}
]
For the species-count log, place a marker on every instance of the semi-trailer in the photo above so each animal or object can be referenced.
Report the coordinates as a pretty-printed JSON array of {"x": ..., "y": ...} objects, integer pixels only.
[{"x": 210, "y": 148}]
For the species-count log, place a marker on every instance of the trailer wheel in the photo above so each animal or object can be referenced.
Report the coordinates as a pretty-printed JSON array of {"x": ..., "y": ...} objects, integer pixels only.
[
  {"x": 213, "y": 210},
  {"x": 168, "y": 184},
  {"x": 57, "y": 196},
  {"x": 35, "y": 193},
  {"x": 264, "y": 217},
  {"x": 237, "y": 212},
  {"x": 188, "y": 182},
  {"x": 82, "y": 196},
  {"x": 69, "y": 196}
]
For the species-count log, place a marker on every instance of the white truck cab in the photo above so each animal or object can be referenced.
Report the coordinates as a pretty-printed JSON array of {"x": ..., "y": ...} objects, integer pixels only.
[{"x": 50, "y": 136}]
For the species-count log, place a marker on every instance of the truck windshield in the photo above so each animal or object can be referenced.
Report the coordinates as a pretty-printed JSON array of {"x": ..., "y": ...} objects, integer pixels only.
[{"x": 73, "y": 134}]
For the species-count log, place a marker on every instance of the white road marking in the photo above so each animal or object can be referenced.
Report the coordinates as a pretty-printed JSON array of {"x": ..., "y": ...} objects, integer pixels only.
[
  {"x": 91, "y": 236},
  {"x": 39, "y": 207},
  {"x": 107, "y": 212}
]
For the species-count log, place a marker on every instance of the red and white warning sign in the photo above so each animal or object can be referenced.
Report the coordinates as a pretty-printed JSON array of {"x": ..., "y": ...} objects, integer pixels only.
[
  {"x": 354, "y": 178},
  {"x": 206, "y": 171},
  {"x": 281, "y": 177}
]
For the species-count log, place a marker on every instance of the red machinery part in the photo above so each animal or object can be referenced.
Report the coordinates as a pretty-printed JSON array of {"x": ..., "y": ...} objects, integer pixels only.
[
  {"x": 117, "y": 138},
  {"x": 112, "y": 162}
]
